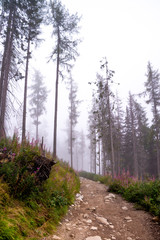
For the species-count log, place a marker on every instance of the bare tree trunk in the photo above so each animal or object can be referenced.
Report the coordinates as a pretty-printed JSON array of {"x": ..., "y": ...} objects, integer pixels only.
[
  {"x": 37, "y": 130},
  {"x": 157, "y": 136},
  {"x": 56, "y": 100},
  {"x": 5, "y": 70},
  {"x": 71, "y": 136},
  {"x": 134, "y": 139},
  {"x": 71, "y": 127},
  {"x": 1, "y": 18},
  {"x": 25, "y": 92},
  {"x": 82, "y": 162},
  {"x": 110, "y": 125},
  {"x": 118, "y": 139},
  {"x": 77, "y": 158},
  {"x": 99, "y": 157},
  {"x": 104, "y": 147},
  {"x": 95, "y": 157}
]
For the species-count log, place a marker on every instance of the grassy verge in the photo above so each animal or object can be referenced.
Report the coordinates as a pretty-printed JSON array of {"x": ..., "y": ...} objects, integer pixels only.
[
  {"x": 95, "y": 177},
  {"x": 144, "y": 194},
  {"x": 29, "y": 209}
]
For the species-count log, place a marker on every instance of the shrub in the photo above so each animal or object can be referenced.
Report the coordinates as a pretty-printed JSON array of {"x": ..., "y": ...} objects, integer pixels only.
[
  {"x": 145, "y": 194},
  {"x": 28, "y": 206},
  {"x": 7, "y": 232}
]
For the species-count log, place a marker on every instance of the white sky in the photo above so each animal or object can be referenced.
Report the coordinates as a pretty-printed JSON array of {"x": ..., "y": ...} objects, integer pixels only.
[{"x": 126, "y": 32}]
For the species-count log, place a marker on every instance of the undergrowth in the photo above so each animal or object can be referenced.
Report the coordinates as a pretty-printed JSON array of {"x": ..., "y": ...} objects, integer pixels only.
[
  {"x": 144, "y": 194},
  {"x": 95, "y": 177},
  {"x": 29, "y": 209}
]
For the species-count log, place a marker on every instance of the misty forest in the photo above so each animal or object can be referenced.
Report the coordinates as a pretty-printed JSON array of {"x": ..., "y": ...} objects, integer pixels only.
[
  {"x": 119, "y": 134},
  {"x": 121, "y": 137}
]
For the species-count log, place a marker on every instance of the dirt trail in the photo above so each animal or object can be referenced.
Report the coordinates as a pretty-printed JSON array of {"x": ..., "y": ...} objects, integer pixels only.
[{"x": 100, "y": 215}]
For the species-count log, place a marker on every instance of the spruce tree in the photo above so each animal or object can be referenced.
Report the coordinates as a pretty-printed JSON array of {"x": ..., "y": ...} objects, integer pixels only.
[
  {"x": 65, "y": 26},
  {"x": 38, "y": 98},
  {"x": 73, "y": 114},
  {"x": 153, "y": 91},
  {"x": 34, "y": 18}
]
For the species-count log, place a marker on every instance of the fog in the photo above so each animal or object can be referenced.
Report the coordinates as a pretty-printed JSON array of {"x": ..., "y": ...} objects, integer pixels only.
[{"x": 125, "y": 32}]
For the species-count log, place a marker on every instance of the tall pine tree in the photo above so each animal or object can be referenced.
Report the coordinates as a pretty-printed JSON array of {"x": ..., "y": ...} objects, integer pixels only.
[
  {"x": 65, "y": 26},
  {"x": 38, "y": 98},
  {"x": 153, "y": 91}
]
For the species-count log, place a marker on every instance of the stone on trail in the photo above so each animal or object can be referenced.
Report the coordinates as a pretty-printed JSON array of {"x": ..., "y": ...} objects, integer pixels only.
[
  {"x": 94, "y": 228},
  {"x": 79, "y": 197},
  {"x": 125, "y": 208},
  {"x": 94, "y": 238},
  {"x": 111, "y": 226},
  {"x": 56, "y": 237},
  {"x": 89, "y": 221},
  {"x": 110, "y": 196},
  {"x": 86, "y": 215},
  {"x": 128, "y": 219},
  {"x": 103, "y": 220}
]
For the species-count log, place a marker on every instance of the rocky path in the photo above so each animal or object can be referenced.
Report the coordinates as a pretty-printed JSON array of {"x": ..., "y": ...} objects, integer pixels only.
[{"x": 100, "y": 215}]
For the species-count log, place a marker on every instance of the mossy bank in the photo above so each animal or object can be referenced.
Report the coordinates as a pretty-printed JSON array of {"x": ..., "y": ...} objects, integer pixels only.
[{"x": 30, "y": 209}]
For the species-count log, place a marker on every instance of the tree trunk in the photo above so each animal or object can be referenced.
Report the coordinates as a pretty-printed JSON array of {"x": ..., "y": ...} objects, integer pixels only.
[
  {"x": 110, "y": 126},
  {"x": 25, "y": 92},
  {"x": 71, "y": 136},
  {"x": 105, "y": 155},
  {"x": 6, "y": 61},
  {"x": 1, "y": 18},
  {"x": 71, "y": 126},
  {"x": 99, "y": 157},
  {"x": 37, "y": 130},
  {"x": 118, "y": 170},
  {"x": 56, "y": 100},
  {"x": 134, "y": 139},
  {"x": 95, "y": 155}
]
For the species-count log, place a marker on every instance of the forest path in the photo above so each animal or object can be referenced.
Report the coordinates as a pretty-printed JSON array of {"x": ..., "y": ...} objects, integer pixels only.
[{"x": 100, "y": 215}]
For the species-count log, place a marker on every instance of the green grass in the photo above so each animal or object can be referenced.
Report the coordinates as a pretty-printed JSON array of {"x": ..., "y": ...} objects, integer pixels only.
[
  {"x": 29, "y": 210},
  {"x": 144, "y": 194},
  {"x": 96, "y": 177}
]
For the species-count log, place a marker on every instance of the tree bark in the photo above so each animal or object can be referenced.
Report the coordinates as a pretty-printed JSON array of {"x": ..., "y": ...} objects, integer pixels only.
[
  {"x": 133, "y": 139},
  {"x": 6, "y": 61},
  {"x": 99, "y": 143},
  {"x": 110, "y": 125},
  {"x": 25, "y": 92},
  {"x": 155, "y": 113},
  {"x": 71, "y": 127},
  {"x": 56, "y": 98},
  {"x": 37, "y": 129}
]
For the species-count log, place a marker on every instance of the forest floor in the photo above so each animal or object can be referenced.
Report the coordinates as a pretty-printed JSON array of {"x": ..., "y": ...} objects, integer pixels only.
[{"x": 100, "y": 215}]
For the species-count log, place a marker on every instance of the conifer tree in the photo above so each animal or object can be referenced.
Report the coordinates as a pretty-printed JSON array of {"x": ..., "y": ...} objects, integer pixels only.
[
  {"x": 34, "y": 18},
  {"x": 65, "y": 26},
  {"x": 9, "y": 45},
  {"x": 38, "y": 98},
  {"x": 153, "y": 91},
  {"x": 14, "y": 34},
  {"x": 118, "y": 134},
  {"x": 73, "y": 114}
]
